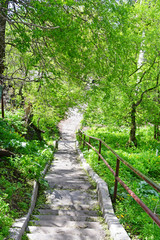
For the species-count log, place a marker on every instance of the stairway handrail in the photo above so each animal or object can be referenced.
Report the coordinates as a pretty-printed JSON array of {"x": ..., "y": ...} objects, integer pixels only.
[{"x": 117, "y": 178}]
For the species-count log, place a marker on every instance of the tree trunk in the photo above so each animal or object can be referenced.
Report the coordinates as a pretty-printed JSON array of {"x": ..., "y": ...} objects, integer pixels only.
[
  {"x": 156, "y": 131},
  {"x": 6, "y": 153},
  {"x": 33, "y": 132},
  {"x": 3, "y": 6},
  {"x": 157, "y": 122},
  {"x": 21, "y": 95},
  {"x": 132, "y": 138},
  {"x": 2, "y": 38}
]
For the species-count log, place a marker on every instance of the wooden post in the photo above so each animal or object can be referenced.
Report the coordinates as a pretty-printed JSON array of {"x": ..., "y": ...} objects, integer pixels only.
[
  {"x": 89, "y": 143},
  {"x": 81, "y": 136},
  {"x": 84, "y": 141},
  {"x": 2, "y": 102},
  {"x": 116, "y": 182},
  {"x": 100, "y": 144}
]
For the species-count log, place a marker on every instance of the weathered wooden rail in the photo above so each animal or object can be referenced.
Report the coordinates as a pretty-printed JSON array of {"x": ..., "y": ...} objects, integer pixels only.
[{"x": 83, "y": 138}]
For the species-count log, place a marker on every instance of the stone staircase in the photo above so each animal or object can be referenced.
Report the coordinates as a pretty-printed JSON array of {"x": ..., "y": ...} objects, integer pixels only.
[{"x": 70, "y": 210}]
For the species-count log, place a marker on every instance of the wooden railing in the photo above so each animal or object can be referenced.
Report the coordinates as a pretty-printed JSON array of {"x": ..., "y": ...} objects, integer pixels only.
[{"x": 83, "y": 140}]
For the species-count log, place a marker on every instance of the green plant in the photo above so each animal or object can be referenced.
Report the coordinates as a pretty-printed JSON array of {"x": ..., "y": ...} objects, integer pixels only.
[
  {"x": 17, "y": 173},
  {"x": 5, "y": 218}
]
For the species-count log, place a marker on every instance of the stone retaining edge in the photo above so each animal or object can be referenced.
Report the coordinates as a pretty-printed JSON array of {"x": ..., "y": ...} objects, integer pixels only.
[
  {"x": 116, "y": 229},
  {"x": 19, "y": 226}
]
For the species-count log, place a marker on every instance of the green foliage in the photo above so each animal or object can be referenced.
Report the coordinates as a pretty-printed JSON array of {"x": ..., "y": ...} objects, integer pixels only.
[
  {"x": 32, "y": 163},
  {"x": 48, "y": 109},
  {"x": 5, "y": 219},
  {"x": 31, "y": 155},
  {"x": 142, "y": 158},
  {"x": 126, "y": 72},
  {"x": 18, "y": 173}
]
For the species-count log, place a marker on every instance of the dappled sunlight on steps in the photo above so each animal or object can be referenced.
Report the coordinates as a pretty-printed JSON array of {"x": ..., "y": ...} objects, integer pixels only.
[{"x": 69, "y": 212}]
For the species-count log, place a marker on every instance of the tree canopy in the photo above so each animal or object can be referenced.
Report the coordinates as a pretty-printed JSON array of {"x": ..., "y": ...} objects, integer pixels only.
[{"x": 50, "y": 50}]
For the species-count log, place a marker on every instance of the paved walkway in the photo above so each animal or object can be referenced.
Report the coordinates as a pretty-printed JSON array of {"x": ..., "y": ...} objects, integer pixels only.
[{"x": 69, "y": 213}]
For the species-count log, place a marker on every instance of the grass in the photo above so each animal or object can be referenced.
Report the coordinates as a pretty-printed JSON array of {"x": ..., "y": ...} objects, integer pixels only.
[
  {"x": 17, "y": 173},
  {"x": 144, "y": 158}
]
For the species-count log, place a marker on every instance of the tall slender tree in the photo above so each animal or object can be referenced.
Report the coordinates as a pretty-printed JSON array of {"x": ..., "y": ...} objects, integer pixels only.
[{"x": 3, "y": 9}]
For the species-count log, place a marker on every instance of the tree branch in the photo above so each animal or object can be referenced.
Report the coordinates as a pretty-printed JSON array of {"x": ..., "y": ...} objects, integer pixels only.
[
  {"x": 6, "y": 153},
  {"x": 145, "y": 72},
  {"x": 137, "y": 70},
  {"x": 148, "y": 90},
  {"x": 13, "y": 22}
]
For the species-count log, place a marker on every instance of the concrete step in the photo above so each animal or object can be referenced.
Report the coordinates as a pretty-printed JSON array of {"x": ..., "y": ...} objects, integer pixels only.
[
  {"x": 65, "y": 151},
  {"x": 70, "y": 185},
  {"x": 53, "y": 219},
  {"x": 67, "y": 165},
  {"x": 77, "y": 207},
  {"x": 68, "y": 197},
  {"x": 69, "y": 177},
  {"x": 64, "y": 223},
  {"x": 67, "y": 212},
  {"x": 54, "y": 178},
  {"x": 66, "y": 172},
  {"x": 65, "y": 234},
  {"x": 69, "y": 225}
]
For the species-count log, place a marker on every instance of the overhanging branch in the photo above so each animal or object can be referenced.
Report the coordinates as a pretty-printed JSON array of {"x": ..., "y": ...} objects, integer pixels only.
[{"x": 148, "y": 90}]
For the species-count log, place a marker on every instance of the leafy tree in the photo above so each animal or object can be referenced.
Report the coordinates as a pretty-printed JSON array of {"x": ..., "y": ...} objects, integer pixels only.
[
  {"x": 77, "y": 41},
  {"x": 45, "y": 45},
  {"x": 120, "y": 72}
]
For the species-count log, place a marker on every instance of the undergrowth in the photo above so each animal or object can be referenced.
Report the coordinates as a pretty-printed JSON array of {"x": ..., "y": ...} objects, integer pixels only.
[
  {"x": 146, "y": 160},
  {"x": 17, "y": 173}
]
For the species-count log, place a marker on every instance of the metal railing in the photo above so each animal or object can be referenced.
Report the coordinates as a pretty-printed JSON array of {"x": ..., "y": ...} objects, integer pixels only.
[{"x": 83, "y": 137}]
